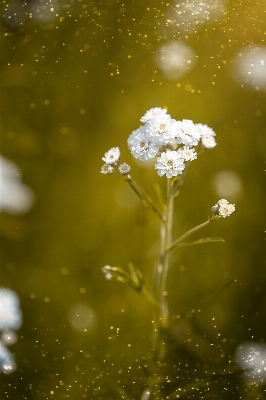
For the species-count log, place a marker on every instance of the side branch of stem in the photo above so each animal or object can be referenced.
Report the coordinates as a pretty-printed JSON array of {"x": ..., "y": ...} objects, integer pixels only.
[{"x": 187, "y": 234}]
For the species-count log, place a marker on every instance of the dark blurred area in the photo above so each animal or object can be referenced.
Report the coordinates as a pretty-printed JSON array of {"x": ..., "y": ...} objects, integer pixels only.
[{"x": 76, "y": 77}]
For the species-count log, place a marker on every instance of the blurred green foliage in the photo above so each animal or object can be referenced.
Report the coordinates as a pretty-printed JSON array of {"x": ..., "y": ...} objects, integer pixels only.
[{"x": 74, "y": 83}]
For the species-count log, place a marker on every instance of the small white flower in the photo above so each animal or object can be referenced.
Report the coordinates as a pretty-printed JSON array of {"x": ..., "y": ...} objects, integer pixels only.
[
  {"x": 124, "y": 169},
  {"x": 170, "y": 163},
  {"x": 141, "y": 146},
  {"x": 208, "y": 142},
  {"x": 107, "y": 169},
  {"x": 205, "y": 130},
  {"x": 223, "y": 208},
  {"x": 188, "y": 133},
  {"x": 162, "y": 130},
  {"x": 112, "y": 156},
  {"x": 187, "y": 154},
  {"x": 153, "y": 113}
]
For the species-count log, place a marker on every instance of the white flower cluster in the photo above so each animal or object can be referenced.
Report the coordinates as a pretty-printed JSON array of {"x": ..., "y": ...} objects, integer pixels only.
[
  {"x": 111, "y": 159},
  {"x": 223, "y": 208},
  {"x": 10, "y": 320},
  {"x": 171, "y": 139}
]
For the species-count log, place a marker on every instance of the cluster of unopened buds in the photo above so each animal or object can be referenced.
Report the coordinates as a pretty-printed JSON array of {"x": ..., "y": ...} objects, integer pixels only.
[{"x": 171, "y": 141}]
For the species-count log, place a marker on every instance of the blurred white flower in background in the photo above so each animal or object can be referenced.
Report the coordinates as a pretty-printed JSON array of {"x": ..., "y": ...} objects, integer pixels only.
[
  {"x": 10, "y": 314},
  {"x": 227, "y": 184},
  {"x": 15, "y": 197},
  {"x": 189, "y": 15},
  {"x": 43, "y": 10},
  {"x": 82, "y": 318},
  {"x": 252, "y": 358},
  {"x": 249, "y": 67},
  {"x": 175, "y": 59},
  {"x": 10, "y": 319},
  {"x": 7, "y": 361},
  {"x": 14, "y": 13},
  {"x": 18, "y": 12}
]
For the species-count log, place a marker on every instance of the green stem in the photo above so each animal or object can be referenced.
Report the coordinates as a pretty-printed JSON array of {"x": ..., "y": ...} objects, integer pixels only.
[
  {"x": 186, "y": 235},
  {"x": 166, "y": 240}
]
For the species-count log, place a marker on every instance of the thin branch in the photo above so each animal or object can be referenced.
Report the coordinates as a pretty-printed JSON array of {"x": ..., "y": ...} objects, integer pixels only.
[
  {"x": 199, "y": 241},
  {"x": 187, "y": 234},
  {"x": 145, "y": 199}
]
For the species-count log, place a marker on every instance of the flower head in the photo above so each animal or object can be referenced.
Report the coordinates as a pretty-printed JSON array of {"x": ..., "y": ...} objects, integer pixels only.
[
  {"x": 170, "y": 163},
  {"x": 205, "y": 130},
  {"x": 188, "y": 133},
  {"x": 140, "y": 144},
  {"x": 223, "y": 208},
  {"x": 107, "y": 169},
  {"x": 208, "y": 142},
  {"x": 112, "y": 156},
  {"x": 162, "y": 129},
  {"x": 187, "y": 154},
  {"x": 124, "y": 169},
  {"x": 153, "y": 113}
]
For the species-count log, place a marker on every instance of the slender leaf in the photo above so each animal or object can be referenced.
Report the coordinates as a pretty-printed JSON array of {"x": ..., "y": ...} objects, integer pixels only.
[
  {"x": 199, "y": 241},
  {"x": 145, "y": 199},
  {"x": 134, "y": 280}
]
